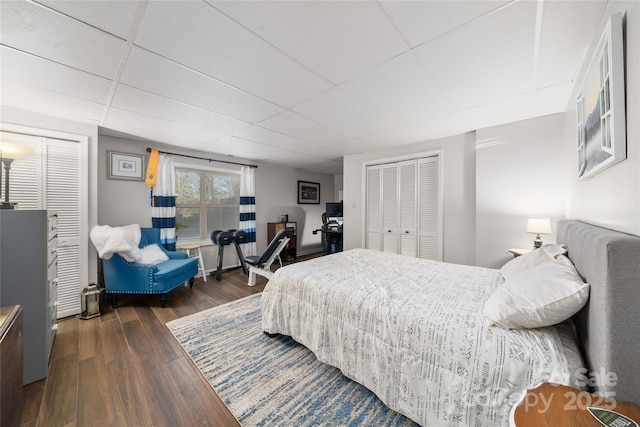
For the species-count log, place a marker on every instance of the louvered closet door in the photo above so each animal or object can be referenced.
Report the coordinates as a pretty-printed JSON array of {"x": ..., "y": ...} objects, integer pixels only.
[
  {"x": 373, "y": 206},
  {"x": 390, "y": 224},
  {"x": 407, "y": 209},
  {"x": 63, "y": 196},
  {"x": 429, "y": 209},
  {"x": 49, "y": 178}
]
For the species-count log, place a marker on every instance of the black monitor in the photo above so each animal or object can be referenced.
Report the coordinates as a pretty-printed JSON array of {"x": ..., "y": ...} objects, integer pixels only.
[{"x": 334, "y": 209}]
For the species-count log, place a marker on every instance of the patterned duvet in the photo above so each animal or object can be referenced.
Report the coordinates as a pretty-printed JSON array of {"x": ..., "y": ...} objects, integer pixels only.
[{"x": 412, "y": 331}]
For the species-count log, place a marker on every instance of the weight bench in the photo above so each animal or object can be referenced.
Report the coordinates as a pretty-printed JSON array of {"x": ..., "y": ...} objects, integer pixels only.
[{"x": 262, "y": 264}]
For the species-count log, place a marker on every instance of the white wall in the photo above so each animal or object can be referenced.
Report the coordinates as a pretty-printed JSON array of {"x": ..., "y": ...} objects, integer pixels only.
[
  {"x": 458, "y": 167},
  {"x": 612, "y": 197},
  {"x": 40, "y": 124},
  {"x": 520, "y": 174},
  {"x": 125, "y": 202}
]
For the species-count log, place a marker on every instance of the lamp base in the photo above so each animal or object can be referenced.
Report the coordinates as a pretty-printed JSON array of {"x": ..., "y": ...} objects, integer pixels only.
[
  {"x": 8, "y": 205},
  {"x": 537, "y": 243}
]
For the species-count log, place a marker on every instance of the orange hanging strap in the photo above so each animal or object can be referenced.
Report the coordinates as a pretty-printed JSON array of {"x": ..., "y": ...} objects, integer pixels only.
[
  {"x": 152, "y": 169},
  {"x": 152, "y": 173}
]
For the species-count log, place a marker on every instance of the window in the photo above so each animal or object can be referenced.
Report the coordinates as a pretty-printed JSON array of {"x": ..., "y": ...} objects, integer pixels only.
[{"x": 206, "y": 200}]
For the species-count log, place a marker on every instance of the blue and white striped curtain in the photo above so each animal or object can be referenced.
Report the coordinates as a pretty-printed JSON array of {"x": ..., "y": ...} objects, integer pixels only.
[
  {"x": 248, "y": 208},
  {"x": 163, "y": 210}
]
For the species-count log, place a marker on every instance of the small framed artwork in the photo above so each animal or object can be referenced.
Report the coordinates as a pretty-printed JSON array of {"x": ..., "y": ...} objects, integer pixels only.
[
  {"x": 600, "y": 105},
  {"x": 125, "y": 166},
  {"x": 308, "y": 193}
]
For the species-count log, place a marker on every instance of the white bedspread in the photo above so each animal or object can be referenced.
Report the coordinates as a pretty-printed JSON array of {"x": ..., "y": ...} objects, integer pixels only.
[{"x": 412, "y": 331}]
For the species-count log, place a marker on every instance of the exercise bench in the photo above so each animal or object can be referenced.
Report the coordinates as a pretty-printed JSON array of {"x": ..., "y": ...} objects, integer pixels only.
[{"x": 261, "y": 265}]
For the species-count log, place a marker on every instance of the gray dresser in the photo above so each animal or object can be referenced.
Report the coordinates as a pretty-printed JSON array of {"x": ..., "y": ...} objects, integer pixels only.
[{"x": 28, "y": 271}]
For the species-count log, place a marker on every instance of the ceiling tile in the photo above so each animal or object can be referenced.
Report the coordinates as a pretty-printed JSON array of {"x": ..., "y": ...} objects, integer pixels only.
[
  {"x": 243, "y": 148},
  {"x": 33, "y": 71},
  {"x": 274, "y": 139},
  {"x": 334, "y": 152},
  {"x": 567, "y": 31},
  {"x": 421, "y": 21},
  {"x": 29, "y": 98},
  {"x": 485, "y": 60},
  {"x": 198, "y": 36},
  {"x": 143, "y": 125},
  {"x": 32, "y": 28},
  {"x": 400, "y": 89},
  {"x": 182, "y": 84},
  {"x": 114, "y": 17},
  {"x": 338, "y": 111},
  {"x": 552, "y": 99},
  {"x": 131, "y": 99},
  {"x": 335, "y": 39},
  {"x": 300, "y": 127}
]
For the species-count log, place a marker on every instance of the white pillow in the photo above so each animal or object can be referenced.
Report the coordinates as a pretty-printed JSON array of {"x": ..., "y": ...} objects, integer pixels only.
[
  {"x": 541, "y": 296},
  {"x": 151, "y": 254},
  {"x": 529, "y": 260}
]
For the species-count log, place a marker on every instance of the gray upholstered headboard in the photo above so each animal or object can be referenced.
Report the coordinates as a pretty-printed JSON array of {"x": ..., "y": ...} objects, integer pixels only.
[{"x": 609, "y": 325}]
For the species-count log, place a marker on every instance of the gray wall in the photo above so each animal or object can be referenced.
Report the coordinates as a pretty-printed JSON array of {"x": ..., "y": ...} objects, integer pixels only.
[
  {"x": 458, "y": 168},
  {"x": 520, "y": 174},
  {"x": 123, "y": 202},
  {"x": 612, "y": 197},
  {"x": 521, "y": 170},
  {"x": 40, "y": 124}
]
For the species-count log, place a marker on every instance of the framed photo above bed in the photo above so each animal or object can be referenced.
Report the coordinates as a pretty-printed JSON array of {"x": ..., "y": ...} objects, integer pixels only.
[
  {"x": 308, "y": 193},
  {"x": 600, "y": 105}
]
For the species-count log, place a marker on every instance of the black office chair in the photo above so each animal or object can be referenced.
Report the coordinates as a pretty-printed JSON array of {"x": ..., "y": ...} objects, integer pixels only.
[{"x": 262, "y": 264}]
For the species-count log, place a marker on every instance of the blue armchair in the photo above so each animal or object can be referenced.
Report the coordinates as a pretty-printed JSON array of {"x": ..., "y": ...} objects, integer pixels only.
[{"x": 124, "y": 277}]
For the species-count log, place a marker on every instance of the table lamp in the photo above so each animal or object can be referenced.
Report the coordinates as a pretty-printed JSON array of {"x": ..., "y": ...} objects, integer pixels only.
[
  {"x": 538, "y": 226},
  {"x": 9, "y": 153}
]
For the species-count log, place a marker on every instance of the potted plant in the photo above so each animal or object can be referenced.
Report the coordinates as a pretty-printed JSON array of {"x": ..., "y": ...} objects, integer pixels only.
[{"x": 180, "y": 226}]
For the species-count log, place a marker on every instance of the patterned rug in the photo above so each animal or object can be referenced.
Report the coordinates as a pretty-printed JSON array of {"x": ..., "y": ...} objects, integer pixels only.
[{"x": 273, "y": 381}]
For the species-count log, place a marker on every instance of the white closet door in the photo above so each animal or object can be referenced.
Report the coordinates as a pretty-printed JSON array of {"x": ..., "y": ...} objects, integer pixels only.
[
  {"x": 50, "y": 178},
  {"x": 63, "y": 196},
  {"x": 429, "y": 209},
  {"x": 407, "y": 210},
  {"x": 390, "y": 241},
  {"x": 373, "y": 206}
]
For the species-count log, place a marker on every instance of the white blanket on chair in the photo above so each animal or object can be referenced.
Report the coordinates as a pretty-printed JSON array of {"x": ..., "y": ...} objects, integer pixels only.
[{"x": 122, "y": 240}]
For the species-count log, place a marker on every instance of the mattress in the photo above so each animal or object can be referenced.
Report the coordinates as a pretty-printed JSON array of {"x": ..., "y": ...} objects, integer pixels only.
[{"x": 412, "y": 331}]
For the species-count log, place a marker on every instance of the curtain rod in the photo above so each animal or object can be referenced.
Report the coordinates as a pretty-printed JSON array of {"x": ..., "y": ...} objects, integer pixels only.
[{"x": 203, "y": 158}]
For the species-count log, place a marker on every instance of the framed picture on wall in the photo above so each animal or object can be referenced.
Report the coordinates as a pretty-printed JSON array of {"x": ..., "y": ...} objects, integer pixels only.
[
  {"x": 600, "y": 105},
  {"x": 125, "y": 166},
  {"x": 308, "y": 193}
]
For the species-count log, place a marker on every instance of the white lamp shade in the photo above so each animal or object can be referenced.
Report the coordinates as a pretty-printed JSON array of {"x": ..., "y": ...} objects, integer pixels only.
[
  {"x": 539, "y": 226},
  {"x": 13, "y": 151}
]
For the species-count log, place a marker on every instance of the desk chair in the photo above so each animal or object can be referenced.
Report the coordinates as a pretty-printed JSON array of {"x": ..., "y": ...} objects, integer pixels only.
[{"x": 262, "y": 264}]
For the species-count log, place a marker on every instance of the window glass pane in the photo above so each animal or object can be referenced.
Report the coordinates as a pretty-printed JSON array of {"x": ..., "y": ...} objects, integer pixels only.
[
  {"x": 206, "y": 201},
  {"x": 222, "y": 190},
  {"x": 219, "y": 218},
  {"x": 190, "y": 217},
  {"x": 187, "y": 187}
]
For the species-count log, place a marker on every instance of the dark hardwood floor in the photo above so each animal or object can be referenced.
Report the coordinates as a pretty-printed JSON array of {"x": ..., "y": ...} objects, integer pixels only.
[{"x": 126, "y": 369}]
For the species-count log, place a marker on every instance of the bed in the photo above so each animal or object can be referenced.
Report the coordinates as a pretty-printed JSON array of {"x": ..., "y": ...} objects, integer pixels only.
[{"x": 413, "y": 330}]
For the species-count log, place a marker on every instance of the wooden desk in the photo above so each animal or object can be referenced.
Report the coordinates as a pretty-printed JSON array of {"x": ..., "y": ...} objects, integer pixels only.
[
  {"x": 558, "y": 405},
  {"x": 290, "y": 252}
]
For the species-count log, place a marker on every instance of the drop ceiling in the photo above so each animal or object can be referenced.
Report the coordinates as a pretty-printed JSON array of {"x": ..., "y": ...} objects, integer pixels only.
[{"x": 295, "y": 83}]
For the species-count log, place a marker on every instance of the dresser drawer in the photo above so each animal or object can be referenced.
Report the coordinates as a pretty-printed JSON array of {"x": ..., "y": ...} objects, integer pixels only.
[
  {"x": 52, "y": 226},
  {"x": 52, "y": 249}
]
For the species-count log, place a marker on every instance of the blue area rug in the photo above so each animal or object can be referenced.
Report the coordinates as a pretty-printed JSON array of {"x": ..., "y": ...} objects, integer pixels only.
[{"x": 273, "y": 381}]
